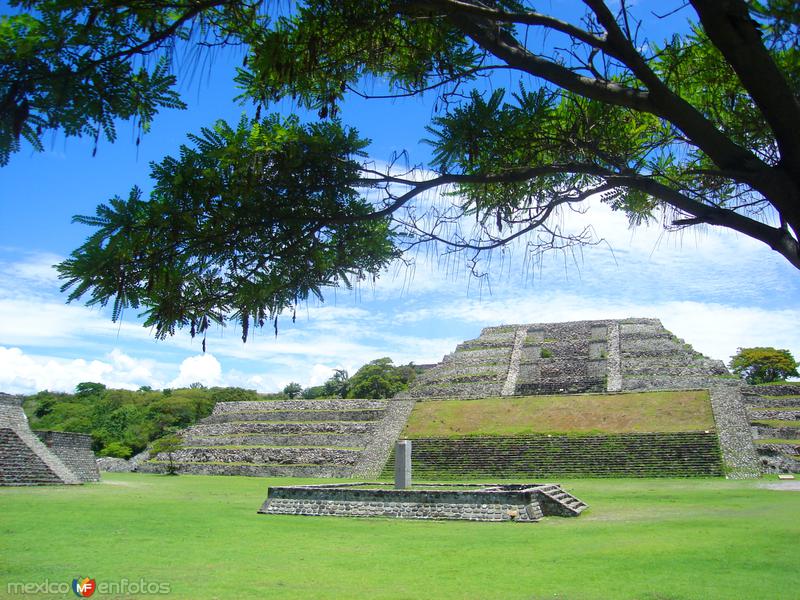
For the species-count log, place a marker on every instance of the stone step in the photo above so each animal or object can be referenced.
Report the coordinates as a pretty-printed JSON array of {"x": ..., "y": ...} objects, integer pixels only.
[
  {"x": 783, "y": 389},
  {"x": 266, "y": 455},
  {"x": 298, "y": 405},
  {"x": 283, "y": 428},
  {"x": 781, "y": 433},
  {"x": 457, "y": 390},
  {"x": 564, "y": 385},
  {"x": 768, "y": 402},
  {"x": 768, "y": 448},
  {"x": 466, "y": 374},
  {"x": 311, "y": 439},
  {"x": 483, "y": 356},
  {"x": 249, "y": 469},
  {"x": 665, "y": 383},
  {"x": 297, "y": 415},
  {"x": 761, "y": 413},
  {"x": 645, "y": 369}
]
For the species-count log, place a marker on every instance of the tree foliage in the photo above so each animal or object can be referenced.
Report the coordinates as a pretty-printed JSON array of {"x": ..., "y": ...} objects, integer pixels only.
[
  {"x": 380, "y": 379},
  {"x": 697, "y": 129},
  {"x": 337, "y": 384},
  {"x": 124, "y": 419},
  {"x": 292, "y": 390},
  {"x": 764, "y": 365},
  {"x": 169, "y": 445},
  {"x": 243, "y": 225}
]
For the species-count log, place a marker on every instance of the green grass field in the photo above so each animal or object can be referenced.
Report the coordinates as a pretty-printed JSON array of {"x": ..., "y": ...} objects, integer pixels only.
[
  {"x": 585, "y": 413},
  {"x": 643, "y": 539}
]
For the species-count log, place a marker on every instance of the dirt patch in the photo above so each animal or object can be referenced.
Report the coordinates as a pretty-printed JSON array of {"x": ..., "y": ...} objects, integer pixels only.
[{"x": 786, "y": 486}]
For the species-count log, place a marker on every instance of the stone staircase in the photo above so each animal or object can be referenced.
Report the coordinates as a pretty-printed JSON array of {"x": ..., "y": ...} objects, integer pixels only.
[
  {"x": 20, "y": 466},
  {"x": 555, "y": 500},
  {"x": 289, "y": 438},
  {"x": 24, "y": 459},
  {"x": 774, "y": 413},
  {"x": 563, "y": 358}
]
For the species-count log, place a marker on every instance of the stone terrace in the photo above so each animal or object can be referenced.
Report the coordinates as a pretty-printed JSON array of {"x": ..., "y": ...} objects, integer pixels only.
[
  {"x": 302, "y": 438},
  {"x": 595, "y": 356},
  {"x": 568, "y": 358},
  {"x": 774, "y": 412}
]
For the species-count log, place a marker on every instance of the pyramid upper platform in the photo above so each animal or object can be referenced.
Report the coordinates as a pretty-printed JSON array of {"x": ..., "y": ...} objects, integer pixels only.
[{"x": 604, "y": 355}]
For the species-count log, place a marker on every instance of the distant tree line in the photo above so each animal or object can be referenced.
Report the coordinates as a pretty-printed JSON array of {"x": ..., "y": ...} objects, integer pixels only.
[
  {"x": 123, "y": 422},
  {"x": 379, "y": 378}
]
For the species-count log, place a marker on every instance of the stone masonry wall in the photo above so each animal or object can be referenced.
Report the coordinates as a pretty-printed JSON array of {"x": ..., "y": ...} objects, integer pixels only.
[
  {"x": 540, "y": 456},
  {"x": 74, "y": 450},
  {"x": 483, "y": 502},
  {"x": 24, "y": 459}
]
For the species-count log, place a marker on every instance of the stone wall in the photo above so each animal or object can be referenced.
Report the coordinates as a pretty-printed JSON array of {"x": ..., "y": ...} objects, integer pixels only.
[
  {"x": 111, "y": 464},
  {"x": 488, "y": 502},
  {"x": 777, "y": 443},
  {"x": 74, "y": 450},
  {"x": 686, "y": 454}
]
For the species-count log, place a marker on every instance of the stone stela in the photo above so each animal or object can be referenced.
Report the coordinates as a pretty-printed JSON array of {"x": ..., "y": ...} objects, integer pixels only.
[{"x": 402, "y": 465}]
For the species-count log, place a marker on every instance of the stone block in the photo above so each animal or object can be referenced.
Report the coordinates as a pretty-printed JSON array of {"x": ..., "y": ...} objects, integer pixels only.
[{"x": 402, "y": 465}]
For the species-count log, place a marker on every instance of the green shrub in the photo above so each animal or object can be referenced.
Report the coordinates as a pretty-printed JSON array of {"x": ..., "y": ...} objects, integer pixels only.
[{"x": 116, "y": 450}]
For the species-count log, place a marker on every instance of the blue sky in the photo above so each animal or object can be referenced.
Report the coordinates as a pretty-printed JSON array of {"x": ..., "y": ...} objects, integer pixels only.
[{"x": 715, "y": 289}]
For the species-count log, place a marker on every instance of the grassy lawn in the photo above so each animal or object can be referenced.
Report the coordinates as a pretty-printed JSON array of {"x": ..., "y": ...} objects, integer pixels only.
[
  {"x": 589, "y": 413},
  {"x": 643, "y": 539}
]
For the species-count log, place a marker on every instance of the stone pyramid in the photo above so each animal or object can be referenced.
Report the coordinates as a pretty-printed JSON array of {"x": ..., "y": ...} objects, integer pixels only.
[
  {"x": 24, "y": 459},
  {"x": 568, "y": 358}
]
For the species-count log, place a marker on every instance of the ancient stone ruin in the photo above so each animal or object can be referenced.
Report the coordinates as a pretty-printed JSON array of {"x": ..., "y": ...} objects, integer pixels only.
[
  {"x": 51, "y": 458},
  {"x": 774, "y": 412},
  {"x": 291, "y": 438},
  {"x": 354, "y": 438},
  {"x": 526, "y": 503},
  {"x": 568, "y": 358}
]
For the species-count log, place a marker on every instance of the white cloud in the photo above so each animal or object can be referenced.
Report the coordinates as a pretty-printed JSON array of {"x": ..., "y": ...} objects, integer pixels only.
[
  {"x": 35, "y": 267},
  {"x": 203, "y": 368},
  {"x": 27, "y": 373},
  {"x": 319, "y": 374}
]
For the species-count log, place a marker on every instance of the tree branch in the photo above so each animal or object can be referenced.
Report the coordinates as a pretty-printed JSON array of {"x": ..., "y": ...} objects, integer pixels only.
[
  {"x": 779, "y": 239},
  {"x": 733, "y": 31},
  {"x": 525, "y": 18}
]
